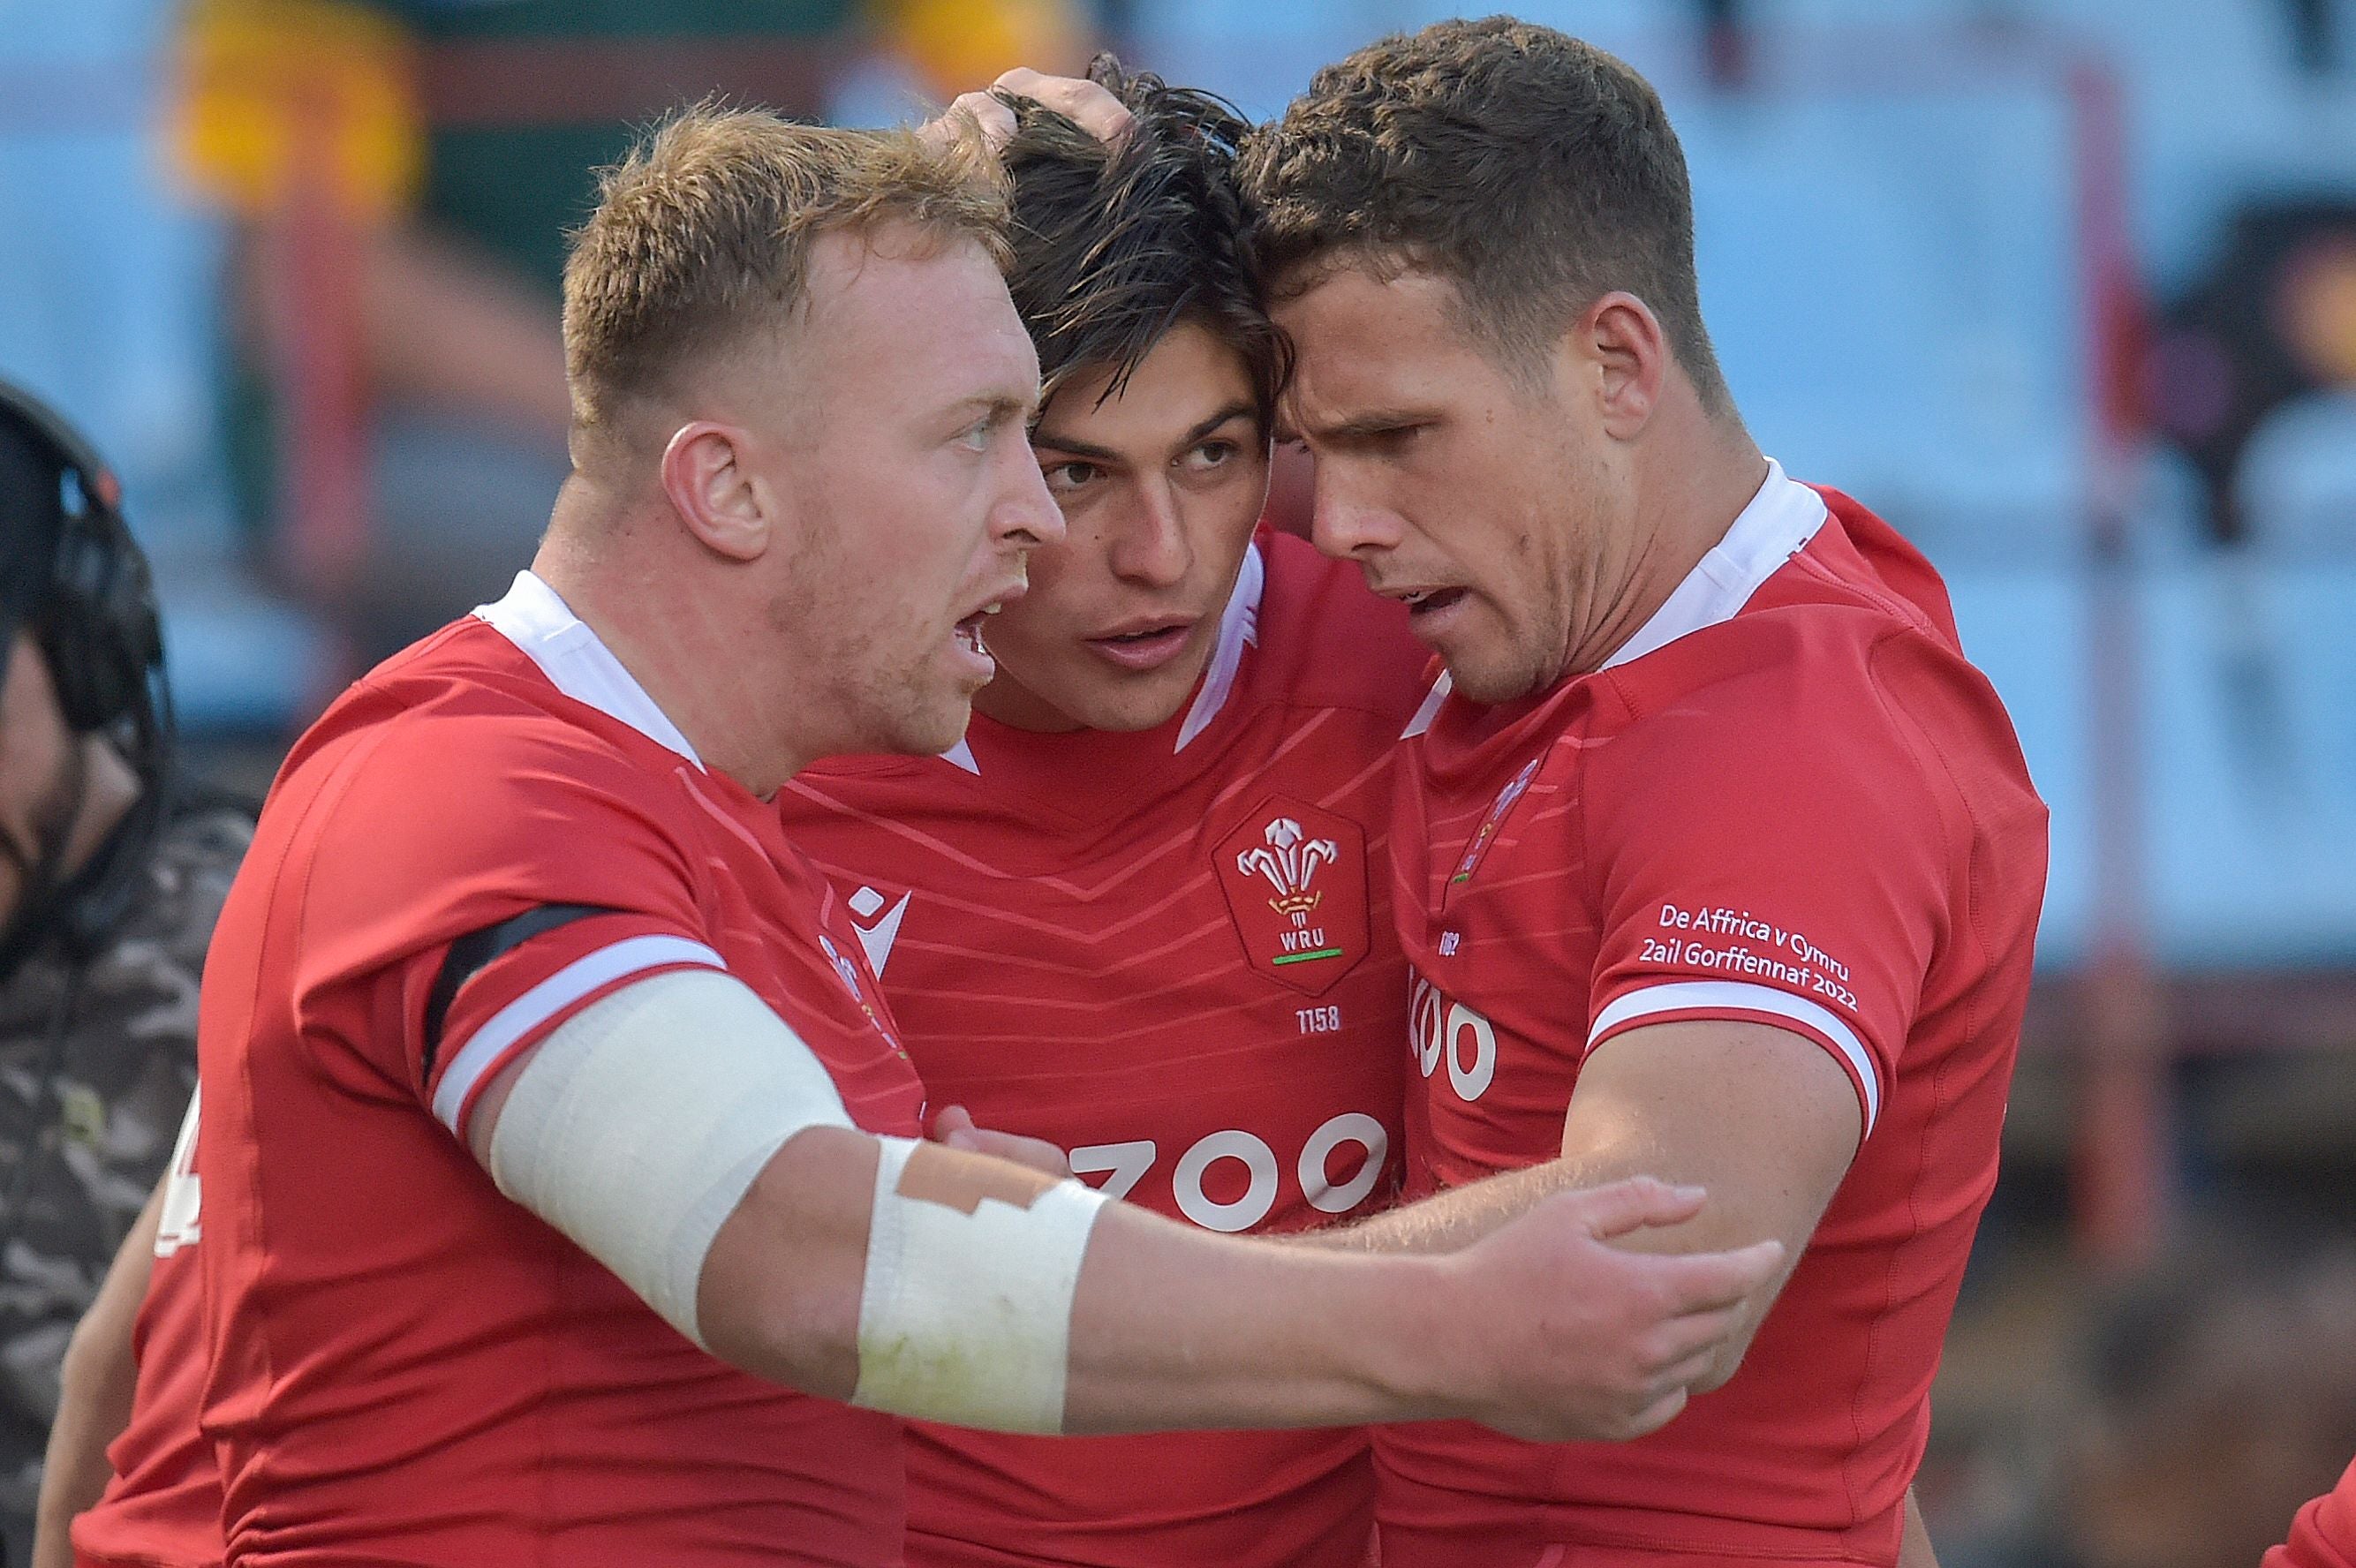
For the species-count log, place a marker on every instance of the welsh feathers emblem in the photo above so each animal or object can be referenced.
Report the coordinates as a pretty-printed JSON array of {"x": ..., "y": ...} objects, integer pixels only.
[
  {"x": 1295, "y": 879},
  {"x": 1290, "y": 860}
]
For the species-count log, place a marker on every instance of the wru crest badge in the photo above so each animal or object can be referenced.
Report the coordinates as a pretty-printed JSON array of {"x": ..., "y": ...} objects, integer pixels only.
[
  {"x": 1295, "y": 879},
  {"x": 1290, "y": 860}
]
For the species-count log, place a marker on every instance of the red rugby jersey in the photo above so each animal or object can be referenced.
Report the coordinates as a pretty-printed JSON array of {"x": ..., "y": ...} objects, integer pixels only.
[
  {"x": 2324, "y": 1533},
  {"x": 1171, "y": 954},
  {"x": 404, "y": 1365},
  {"x": 1788, "y": 799},
  {"x": 162, "y": 1507}
]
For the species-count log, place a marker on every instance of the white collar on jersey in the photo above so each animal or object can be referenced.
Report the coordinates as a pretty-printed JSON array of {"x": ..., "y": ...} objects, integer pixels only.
[
  {"x": 576, "y": 662},
  {"x": 1238, "y": 628},
  {"x": 1776, "y": 526},
  {"x": 1239, "y": 625}
]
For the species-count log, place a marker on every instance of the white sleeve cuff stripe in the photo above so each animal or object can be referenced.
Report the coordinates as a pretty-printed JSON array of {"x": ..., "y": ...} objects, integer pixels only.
[
  {"x": 1737, "y": 995},
  {"x": 487, "y": 1045}
]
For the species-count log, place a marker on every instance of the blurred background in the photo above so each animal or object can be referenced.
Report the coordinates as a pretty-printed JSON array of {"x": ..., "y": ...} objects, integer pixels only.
[{"x": 2065, "y": 289}]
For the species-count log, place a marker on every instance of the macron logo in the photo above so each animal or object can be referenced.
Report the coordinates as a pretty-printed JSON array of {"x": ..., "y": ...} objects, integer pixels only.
[{"x": 877, "y": 926}]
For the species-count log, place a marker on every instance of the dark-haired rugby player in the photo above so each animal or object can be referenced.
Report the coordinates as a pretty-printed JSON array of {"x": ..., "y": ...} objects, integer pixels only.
[{"x": 1142, "y": 909}]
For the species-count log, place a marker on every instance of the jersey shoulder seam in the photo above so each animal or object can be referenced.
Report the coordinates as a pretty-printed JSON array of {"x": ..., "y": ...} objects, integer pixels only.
[{"x": 1867, "y": 596}]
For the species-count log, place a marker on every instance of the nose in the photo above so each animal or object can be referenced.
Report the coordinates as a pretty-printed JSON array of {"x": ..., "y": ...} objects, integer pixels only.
[
  {"x": 1344, "y": 521},
  {"x": 1153, "y": 547},
  {"x": 1026, "y": 516}
]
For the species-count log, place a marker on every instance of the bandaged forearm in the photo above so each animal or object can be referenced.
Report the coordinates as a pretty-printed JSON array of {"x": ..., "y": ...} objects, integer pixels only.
[
  {"x": 639, "y": 1127},
  {"x": 965, "y": 1312}
]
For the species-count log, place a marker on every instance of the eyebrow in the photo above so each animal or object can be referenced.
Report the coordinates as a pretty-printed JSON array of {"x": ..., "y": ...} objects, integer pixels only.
[
  {"x": 995, "y": 406},
  {"x": 1096, "y": 453},
  {"x": 1373, "y": 423}
]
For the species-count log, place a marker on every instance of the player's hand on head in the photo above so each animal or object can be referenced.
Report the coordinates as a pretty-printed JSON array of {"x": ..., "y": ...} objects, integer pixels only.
[
  {"x": 1591, "y": 1342},
  {"x": 954, "y": 1126},
  {"x": 1085, "y": 103},
  {"x": 987, "y": 114},
  {"x": 982, "y": 114}
]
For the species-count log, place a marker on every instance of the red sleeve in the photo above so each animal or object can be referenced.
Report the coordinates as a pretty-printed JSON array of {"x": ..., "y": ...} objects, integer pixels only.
[
  {"x": 1768, "y": 849},
  {"x": 451, "y": 828},
  {"x": 2324, "y": 1534}
]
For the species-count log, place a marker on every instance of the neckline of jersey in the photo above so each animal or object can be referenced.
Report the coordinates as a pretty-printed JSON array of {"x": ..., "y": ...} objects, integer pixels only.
[
  {"x": 576, "y": 661},
  {"x": 1775, "y": 526},
  {"x": 1779, "y": 521}
]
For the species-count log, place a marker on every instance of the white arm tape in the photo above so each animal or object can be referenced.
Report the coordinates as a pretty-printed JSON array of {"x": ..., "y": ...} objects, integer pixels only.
[
  {"x": 638, "y": 1126},
  {"x": 966, "y": 1313}
]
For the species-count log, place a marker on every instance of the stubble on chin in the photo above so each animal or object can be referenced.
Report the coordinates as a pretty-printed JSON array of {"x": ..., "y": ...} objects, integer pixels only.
[
  {"x": 1492, "y": 683},
  {"x": 931, "y": 725},
  {"x": 891, "y": 709},
  {"x": 905, "y": 701},
  {"x": 1510, "y": 668}
]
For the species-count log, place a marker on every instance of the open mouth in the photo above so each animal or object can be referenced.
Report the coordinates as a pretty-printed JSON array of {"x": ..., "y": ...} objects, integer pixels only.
[
  {"x": 1431, "y": 601},
  {"x": 1147, "y": 648},
  {"x": 967, "y": 635}
]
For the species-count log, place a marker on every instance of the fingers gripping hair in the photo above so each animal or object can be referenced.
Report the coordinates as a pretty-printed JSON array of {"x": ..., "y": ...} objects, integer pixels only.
[{"x": 1115, "y": 245}]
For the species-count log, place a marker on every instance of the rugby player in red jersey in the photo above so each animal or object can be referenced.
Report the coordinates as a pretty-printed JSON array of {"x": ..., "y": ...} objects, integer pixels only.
[
  {"x": 537, "y": 1062},
  {"x": 1719, "y": 860},
  {"x": 1141, "y": 911}
]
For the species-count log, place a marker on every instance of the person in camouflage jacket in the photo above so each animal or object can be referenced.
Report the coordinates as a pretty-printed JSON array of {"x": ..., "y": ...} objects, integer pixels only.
[
  {"x": 110, "y": 880},
  {"x": 87, "y": 1116}
]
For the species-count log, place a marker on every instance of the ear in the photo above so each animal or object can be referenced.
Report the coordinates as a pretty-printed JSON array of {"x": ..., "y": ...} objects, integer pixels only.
[
  {"x": 1627, "y": 355},
  {"x": 715, "y": 491}
]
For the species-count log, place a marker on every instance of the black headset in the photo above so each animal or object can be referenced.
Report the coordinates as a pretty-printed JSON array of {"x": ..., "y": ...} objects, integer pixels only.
[{"x": 89, "y": 602}]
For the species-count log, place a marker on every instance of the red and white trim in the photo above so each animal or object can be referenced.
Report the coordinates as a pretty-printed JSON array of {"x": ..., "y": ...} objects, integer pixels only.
[
  {"x": 576, "y": 661},
  {"x": 1738, "y": 998},
  {"x": 479, "y": 1059}
]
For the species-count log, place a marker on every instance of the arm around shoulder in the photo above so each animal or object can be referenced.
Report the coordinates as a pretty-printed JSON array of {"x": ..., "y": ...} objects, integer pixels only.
[{"x": 945, "y": 1285}]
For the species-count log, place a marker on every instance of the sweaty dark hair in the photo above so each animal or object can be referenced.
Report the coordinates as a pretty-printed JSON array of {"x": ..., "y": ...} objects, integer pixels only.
[
  {"x": 1534, "y": 170},
  {"x": 1114, "y": 246}
]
